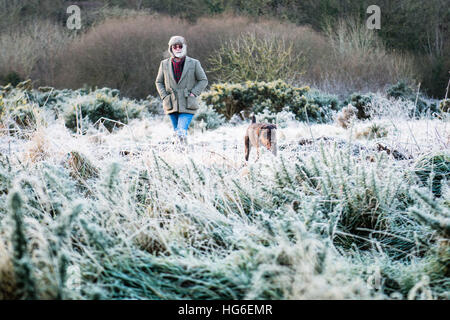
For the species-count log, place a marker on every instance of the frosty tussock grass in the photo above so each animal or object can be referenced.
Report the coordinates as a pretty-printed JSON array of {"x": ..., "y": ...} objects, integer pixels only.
[{"x": 310, "y": 224}]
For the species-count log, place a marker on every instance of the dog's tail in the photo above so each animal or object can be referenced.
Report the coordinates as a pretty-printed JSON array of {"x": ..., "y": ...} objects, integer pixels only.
[
  {"x": 253, "y": 118},
  {"x": 271, "y": 131},
  {"x": 247, "y": 146}
]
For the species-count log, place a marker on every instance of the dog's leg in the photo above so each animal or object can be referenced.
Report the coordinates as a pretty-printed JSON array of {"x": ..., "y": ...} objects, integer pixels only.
[
  {"x": 273, "y": 142},
  {"x": 274, "y": 149},
  {"x": 257, "y": 150},
  {"x": 247, "y": 146}
]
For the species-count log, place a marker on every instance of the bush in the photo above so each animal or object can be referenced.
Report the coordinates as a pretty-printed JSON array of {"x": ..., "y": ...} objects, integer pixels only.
[
  {"x": 17, "y": 113},
  {"x": 24, "y": 116},
  {"x": 153, "y": 105},
  {"x": 232, "y": 98},
  {"x": 356, "y": 204},
  {"x": 307, "y": 105},
  {"x": 403, "y": 91},
  {"x": 104, "y": 107},
  {"x": 400, "y": 90},
  {"x": 363, "y": 104},
  {"x": 327, "y": 104},
  {"x": 76, "y": 118},
  {"x": 46, "y": 98},
  {"x": 19, "y": 107},
  {"x": 358, "y": 59},
  {"x": 281, "y": 119},
  {"x": 31, "y": 49},
  {"x": 12, "y": 77},
  {"x": 438, "y": 220},
  {"x": 254, "y": 58},
  {"x": 207, "y": 118},
  {"x": 120, "y": 52},
  {"x": 102, "y": 104},
  {"x": 433, "y": 171},
  {"x": 433, "y": 69}
]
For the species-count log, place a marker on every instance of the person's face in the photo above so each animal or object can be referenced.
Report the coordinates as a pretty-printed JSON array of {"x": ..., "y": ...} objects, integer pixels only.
[{"x": 176, "y": 48}]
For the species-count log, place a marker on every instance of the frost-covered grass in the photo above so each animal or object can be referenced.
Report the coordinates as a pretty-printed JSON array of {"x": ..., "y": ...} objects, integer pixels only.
[{"x": 126, "y": 214}]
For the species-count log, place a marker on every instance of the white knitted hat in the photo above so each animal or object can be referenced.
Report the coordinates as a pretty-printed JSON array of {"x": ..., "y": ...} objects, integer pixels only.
[{"x": 177, "y": 40}]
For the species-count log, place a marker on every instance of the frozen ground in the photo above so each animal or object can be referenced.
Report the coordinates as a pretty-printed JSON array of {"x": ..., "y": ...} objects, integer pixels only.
[
  {"x": 215, "y": 225},
  {"x": 136, "y": 142}
]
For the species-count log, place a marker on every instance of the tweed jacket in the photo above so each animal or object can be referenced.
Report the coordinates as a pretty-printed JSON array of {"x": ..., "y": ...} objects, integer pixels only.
[{"x": 176, "y": 96}]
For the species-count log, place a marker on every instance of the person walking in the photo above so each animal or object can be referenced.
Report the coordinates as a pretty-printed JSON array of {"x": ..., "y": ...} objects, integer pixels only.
[{"x": 180, "y": 80}]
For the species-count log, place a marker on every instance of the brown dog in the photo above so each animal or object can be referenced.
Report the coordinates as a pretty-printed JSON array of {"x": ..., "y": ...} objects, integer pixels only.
[{"x": 260, "y": 134}]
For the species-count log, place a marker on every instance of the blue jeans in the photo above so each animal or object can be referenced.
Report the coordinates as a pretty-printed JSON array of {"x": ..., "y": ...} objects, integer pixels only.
[{"x": 180, "y": 122}]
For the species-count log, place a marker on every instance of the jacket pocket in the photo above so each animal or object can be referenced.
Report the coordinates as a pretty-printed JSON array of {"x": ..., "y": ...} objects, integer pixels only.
[
  {"x": 192, "y": 103},
  {"x": 167, "y": 103}
]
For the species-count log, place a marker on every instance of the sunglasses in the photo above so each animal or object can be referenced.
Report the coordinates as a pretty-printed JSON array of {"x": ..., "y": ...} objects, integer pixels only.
[{"x": 177, "y": 46}]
